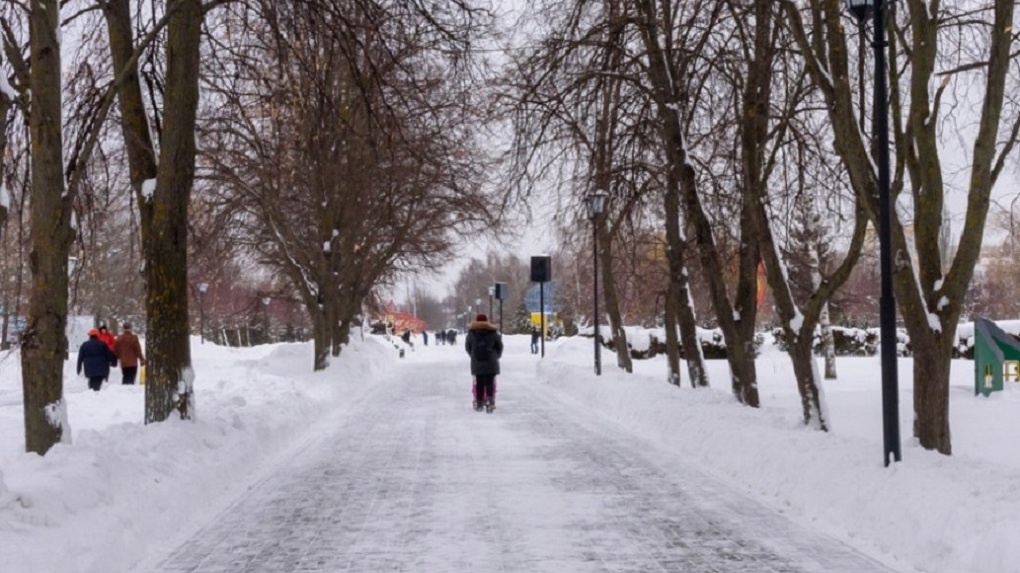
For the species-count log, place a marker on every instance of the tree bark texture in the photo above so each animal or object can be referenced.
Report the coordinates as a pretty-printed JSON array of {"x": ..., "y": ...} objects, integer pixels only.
[
  {"x": 5, "y": 108},
  {"x": 674, "y": 261},
  {"x": 141, "y": 154},
  {"x": 320, "y": 338},
  {"x": 44, "y": 341},
  {"x": 679, "y": 308},
  {"x": 170, "y": 379},
  {"x": 611, "y": 299}
]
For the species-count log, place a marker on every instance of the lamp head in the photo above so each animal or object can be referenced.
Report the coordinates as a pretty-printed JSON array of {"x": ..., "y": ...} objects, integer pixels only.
[
  {"x": 596, "y": 204},
  {"x": 861, "y": 9}
]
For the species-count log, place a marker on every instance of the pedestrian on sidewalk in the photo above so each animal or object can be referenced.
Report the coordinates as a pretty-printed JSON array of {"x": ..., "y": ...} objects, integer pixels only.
[
  {"x": 95, "y": 358},
  {"x": 109, "y": 341},
  {"x": 485, "y": 347},
  {"x": 106, "y": 336},
  {"x": 129, "y": 352},
  {"x": 535, "y": 337}
]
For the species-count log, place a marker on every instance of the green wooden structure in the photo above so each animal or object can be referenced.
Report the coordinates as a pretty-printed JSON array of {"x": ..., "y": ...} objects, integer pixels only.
[{"x": 996, "y": 357}]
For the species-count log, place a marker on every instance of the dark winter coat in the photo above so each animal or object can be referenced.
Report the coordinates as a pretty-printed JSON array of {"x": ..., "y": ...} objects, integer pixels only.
[
  {"x": 96, "y": 357},
  {"x": 484, "y": 333}
]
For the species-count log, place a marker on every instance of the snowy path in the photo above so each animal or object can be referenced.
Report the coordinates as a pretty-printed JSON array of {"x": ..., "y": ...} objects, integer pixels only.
[{"x": 417, "y": 481}]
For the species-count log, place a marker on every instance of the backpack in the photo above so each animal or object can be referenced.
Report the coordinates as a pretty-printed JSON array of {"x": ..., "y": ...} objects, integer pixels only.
[{"x": 482, "y": 349}]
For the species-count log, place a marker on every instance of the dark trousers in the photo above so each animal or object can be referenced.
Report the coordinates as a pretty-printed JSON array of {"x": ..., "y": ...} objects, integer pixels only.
[
  {"x": 485, "y": 388},
  {"x": 129, "y": 373},
  {"x": 96, "y": 382}
]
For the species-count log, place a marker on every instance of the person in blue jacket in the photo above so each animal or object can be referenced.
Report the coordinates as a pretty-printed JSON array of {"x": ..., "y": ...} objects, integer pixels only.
[{"x": 96, "y": 358}]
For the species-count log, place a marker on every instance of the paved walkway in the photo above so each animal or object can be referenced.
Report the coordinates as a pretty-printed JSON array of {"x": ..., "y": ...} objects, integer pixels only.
[{"x": 417, "y": 481}]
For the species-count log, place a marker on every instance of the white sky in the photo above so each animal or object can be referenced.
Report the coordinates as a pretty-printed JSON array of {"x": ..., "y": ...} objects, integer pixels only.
[{"x": 123, "y": 495}]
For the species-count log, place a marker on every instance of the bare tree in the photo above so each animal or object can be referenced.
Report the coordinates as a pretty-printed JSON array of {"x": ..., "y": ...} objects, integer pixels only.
[
  {"x": 352, "y": 121},
  {"x": 926, "y": 64},
  {"x": 163, "y": 193},
  {"x": 671, "y": 73},
  {"x": 43, "y": 342}
]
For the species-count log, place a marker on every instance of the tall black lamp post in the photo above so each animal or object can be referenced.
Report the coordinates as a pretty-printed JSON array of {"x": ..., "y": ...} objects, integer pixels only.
[
  {"x": 500, "y": 290},
  {"x": 596, "y": 206},
  {"x": 202, "y": 289},
  {"x": 492, "y": 291},
  {"x": 265, "y": 317},
  {"x": 861, "y": 9}
]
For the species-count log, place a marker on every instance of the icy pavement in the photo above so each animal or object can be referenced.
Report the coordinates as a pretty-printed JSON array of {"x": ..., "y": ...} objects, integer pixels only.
[{"x": 417, "y": 481}]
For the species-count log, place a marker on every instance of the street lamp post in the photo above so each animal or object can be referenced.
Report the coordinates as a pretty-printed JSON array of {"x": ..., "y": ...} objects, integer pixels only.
[
  {"x": 492, "y": 291},
  {"x": 478, "y": 305},
  {"x": 202, "y": 289},
  {"x": 596, "y": 206},
  {"x": 265, "y": 316},
  {"x": 887, "y": 302},
  {"x": 500, "y": 290}
]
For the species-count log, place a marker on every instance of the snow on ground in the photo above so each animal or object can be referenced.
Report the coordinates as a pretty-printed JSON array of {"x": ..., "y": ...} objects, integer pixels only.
[{"x": 104, "y": 502}]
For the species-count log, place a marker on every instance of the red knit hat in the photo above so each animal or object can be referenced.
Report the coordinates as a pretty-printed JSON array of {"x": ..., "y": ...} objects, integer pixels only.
[{"x": 482, "y": 318}]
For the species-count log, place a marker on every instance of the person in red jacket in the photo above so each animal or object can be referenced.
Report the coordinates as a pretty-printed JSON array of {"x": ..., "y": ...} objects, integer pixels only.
[{"x": 105, "y": 336}]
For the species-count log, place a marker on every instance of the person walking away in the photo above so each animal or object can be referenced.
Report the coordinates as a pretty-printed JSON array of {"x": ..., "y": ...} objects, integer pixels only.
[
  {"x": 105, "y": 335},
  {"x": 129, "y": 352},
  {"x": 108, "y": 340},
  {"x": 95, "y": 358},
  {"x": 535, "y": 337},
  {"x": 485, "y": 347}
]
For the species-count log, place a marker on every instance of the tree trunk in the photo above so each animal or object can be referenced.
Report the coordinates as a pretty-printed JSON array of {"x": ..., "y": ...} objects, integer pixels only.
[
  {"x": 321, "y": 335},
  {"x": 141, "y": 154},
  {"x": 739, "y": 329},
  {"x": 805, "y": 370},
  {"x": 696, "y": 367},
  {"x": 337, "y": 331},
  {"x": 931, "y": 391},
  {"x": 674, "y": 259},
  {"x": 612, "y": 301},
  {"x": 672, "y": 340},
  {"x": 814, "y": 254},
  {"x": 679, "y": 308},
  {"x": 5, "y": 108},
  {"x": 5, "y": 105},
  {"x": 170, "y": 379},
  {"x": 828, "y": 343},
  {"x": 44, "y": 341}
]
